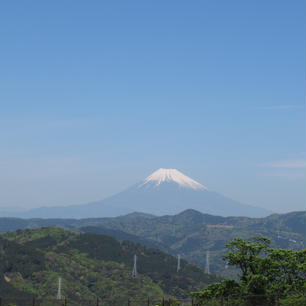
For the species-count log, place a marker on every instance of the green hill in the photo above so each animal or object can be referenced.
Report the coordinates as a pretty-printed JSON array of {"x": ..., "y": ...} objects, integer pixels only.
[
  {"x": 189, "y": 233},
  {"x": 192, "y": 233},
  {"x": 91, "y": 266}
]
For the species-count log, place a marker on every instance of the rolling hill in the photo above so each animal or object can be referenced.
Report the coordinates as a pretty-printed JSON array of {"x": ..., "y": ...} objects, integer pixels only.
[
  {"x": 90, "y": 266},
  {"x": 190, "y": 233}
]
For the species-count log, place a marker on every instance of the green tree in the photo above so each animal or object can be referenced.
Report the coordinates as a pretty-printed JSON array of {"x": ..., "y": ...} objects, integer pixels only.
[{"x": 266, "y": 274}]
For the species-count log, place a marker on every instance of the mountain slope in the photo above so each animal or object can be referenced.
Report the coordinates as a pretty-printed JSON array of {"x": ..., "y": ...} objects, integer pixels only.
[
  {"x": 189, "y": 233},
  {"x": 166, "y": 191},
  {"x": 90, "y": 266},
  {"x": 192, "y": 233}
]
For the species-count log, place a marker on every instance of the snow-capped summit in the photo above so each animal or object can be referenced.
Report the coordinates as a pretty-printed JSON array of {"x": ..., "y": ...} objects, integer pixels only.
[
  {"x": 164, "y": 192},
  {"x": 172, "y": 175}
]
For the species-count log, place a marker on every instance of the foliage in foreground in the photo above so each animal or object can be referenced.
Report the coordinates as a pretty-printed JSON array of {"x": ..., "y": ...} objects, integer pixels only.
[{"x": 268, "y": 276}]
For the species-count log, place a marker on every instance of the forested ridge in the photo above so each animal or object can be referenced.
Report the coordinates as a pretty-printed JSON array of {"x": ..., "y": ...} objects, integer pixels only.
[
  {"x": 189, "y": 233},
  {"x": 90, "y": 265}
]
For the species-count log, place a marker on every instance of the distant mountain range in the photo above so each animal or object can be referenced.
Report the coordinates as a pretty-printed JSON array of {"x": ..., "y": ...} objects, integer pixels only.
[
  {"x": 189, "y": 233},
  {"x": 165, "y": 192}
]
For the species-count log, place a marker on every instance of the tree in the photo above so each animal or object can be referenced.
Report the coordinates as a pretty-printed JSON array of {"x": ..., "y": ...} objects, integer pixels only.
[{"x": 266, "y": 274}]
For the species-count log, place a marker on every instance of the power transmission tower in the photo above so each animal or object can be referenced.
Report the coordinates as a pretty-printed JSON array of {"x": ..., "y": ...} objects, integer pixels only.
[
  {"x": 59, "y": 289},
  {"x": 207, "y": 263},
  {"x": 134, "y": 273},
  {"x": 178, "y": 263}
]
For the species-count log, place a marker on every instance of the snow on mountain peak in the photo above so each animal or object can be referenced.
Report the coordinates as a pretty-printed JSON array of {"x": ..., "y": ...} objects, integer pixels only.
[{"x": 172, "y": 175}]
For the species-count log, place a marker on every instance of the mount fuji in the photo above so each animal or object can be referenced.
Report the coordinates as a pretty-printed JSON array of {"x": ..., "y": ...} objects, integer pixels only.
[{"x": 166, "y": 191}]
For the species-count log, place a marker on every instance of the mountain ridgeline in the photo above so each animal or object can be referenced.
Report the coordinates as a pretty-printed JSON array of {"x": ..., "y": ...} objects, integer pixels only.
[
  {"x": 90, "y": 266},
  {"x": 189, "y": 233},
  {"x": 192, "y": 234},
  {"x": 166, "y": 191}
]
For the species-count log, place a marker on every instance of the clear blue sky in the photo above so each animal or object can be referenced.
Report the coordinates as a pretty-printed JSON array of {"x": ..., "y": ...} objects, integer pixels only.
[{"x": 96, "y": 95}]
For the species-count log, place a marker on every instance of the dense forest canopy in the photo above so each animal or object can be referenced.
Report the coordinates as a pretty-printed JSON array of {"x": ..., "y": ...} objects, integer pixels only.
[{"x": 90, "y": 265}]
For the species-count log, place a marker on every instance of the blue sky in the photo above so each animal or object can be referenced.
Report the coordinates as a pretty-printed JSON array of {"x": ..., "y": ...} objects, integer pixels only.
[{"x": 96, "y": 95}]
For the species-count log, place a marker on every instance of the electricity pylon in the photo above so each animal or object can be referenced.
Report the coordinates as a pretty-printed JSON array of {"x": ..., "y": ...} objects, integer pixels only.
[
  {"x": 59, "y": 288},
  {"x": 178, "y": 263},
  {"x": 207, "y": 263},
  {"x": 134, "y": 272}
]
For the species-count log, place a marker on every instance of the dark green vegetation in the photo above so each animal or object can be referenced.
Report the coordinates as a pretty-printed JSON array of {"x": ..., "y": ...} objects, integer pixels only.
[
  {"x": 189, "y": 233},
  {"x": 192, "y": 233},
  {"x": 90, "y": 265},
  {"x": 268, "y": 276}
]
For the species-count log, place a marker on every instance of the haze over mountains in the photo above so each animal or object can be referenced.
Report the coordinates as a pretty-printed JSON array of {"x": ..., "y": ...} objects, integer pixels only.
[{"x": 166, "y": 191}]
